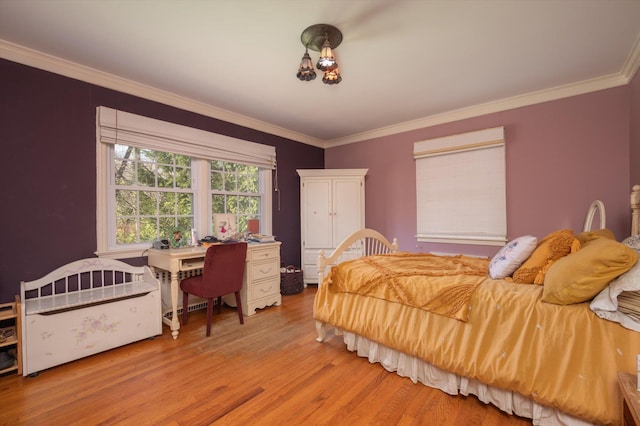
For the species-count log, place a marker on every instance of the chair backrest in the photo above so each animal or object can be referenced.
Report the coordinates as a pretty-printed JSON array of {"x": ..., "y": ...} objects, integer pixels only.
[{"x": 224, "y": 268}]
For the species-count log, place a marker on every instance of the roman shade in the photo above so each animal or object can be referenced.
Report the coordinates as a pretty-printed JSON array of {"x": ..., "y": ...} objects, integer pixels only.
[
  {"x": 119, "y": 127},
  {"x": 460, "y": 185}
]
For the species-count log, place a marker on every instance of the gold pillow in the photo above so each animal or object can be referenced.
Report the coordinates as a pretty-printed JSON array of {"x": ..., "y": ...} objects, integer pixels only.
[
  {"x": 585, "y": 236},
  {"x": 551, "y": 248},
  {"x": 580, "y": 276}
]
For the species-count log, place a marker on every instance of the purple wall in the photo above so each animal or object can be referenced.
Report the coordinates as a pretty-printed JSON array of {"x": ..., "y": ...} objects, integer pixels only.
[
  {"x": 561, "y": 155},
  {"x": 47, "y": 131},
  {"x": 635, "y": 129}
]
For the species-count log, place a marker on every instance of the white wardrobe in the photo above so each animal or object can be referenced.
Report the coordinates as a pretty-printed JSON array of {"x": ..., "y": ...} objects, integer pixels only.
[{"x": 331, "y": 208}]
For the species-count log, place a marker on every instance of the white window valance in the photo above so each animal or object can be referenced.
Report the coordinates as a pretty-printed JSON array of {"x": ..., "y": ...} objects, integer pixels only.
[
  {"x": 124, "y": 128},
  {"x": 471, "y": 141}
]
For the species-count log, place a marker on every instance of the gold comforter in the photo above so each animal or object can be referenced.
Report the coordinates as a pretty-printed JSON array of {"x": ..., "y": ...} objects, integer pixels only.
[
  {"x": 442, "y": 285},
  {"x": 561, "y": 356}
]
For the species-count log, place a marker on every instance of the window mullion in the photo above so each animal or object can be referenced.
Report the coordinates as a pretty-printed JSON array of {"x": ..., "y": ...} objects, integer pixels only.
[{"x": 200, "y": 185}]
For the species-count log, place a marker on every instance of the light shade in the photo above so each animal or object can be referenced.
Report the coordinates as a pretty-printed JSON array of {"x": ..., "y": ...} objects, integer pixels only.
[
  {"x": 332, "y": 77},
  {"x": 306, "y": 71},
  {"x": 326, "y": 61}
]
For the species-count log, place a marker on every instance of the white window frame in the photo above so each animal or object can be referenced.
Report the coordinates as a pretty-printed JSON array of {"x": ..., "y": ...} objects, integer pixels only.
[
  {"x": 223, "y": 192},
  {"x": 461, "y": 188},
  {"x": 114, "y": 126}
]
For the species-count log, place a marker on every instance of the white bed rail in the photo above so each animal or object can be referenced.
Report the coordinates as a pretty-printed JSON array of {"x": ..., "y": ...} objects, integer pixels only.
[
  {"x": 364, "y": 242},
  {"x": 596, "y": 206}
]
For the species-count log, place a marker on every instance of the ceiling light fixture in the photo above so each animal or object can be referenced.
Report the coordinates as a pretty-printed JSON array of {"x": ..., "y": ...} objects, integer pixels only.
[{"x": 321, "y": 38}]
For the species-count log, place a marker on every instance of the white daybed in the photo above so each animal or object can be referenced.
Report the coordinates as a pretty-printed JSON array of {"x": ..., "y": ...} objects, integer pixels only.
[{"x": 553, "y": 364}]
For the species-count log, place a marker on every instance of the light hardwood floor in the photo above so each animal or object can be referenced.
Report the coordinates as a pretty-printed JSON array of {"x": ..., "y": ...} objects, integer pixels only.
[{"x": 269, "y": 371}]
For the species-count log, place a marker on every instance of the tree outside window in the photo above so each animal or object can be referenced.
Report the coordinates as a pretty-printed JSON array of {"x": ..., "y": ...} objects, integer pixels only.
[
  {"x": 235, "y": 189},
  {"x": 153, "y": 194}
]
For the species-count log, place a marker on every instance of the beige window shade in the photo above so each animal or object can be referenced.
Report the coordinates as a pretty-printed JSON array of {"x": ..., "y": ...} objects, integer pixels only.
[
  {"x": 460, "y": 184},
  {"x": 142, "y": 132}
]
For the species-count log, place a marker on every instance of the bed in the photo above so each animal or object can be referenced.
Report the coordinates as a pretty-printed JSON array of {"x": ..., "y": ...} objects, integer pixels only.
[{"x": 507, "y": 343}]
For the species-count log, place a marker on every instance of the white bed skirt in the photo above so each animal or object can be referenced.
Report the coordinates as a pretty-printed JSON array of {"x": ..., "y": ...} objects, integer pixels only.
[{"x": 420, "y": 371}]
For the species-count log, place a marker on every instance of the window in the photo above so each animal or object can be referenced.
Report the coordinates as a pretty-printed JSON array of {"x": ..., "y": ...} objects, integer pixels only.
[
  {"x": 155, "y": 177},
  {"x": 153, "y": 194},
  {"x": 235, "y": 188},
  {"x": 460, "y": 184}
]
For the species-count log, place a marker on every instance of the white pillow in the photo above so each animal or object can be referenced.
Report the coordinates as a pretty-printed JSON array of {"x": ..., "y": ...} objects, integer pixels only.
[
  {"x": 511, "y": 256},
  {"x": 633, "y": 242}
]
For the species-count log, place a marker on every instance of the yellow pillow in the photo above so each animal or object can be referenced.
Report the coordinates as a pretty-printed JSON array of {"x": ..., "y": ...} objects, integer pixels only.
[
  {"x": 582, "y": 275},
  {"x": 551, "y": 248},
  {"x": 585, "y": 236}
]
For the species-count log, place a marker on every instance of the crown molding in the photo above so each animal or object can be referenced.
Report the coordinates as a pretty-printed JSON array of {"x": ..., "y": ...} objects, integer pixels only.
[
  {"x": 30, "y": 57},
  {"x": 631, "y": 65},
  {"x": 626, "y": 74},
  {"x": 34, "y": 58},
  {"x": 532, "y": 98}
]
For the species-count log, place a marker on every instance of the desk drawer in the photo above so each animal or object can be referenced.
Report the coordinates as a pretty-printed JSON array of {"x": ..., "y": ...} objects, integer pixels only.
[
  {"x": 190, "y": 264},
  {"x": 262, "y": 270},
  {"x": 265, "y": 288},
  {"x": 266, "y": 253}
]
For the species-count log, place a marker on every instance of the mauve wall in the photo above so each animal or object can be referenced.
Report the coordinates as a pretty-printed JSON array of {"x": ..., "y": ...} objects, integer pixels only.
[
  {"x": 635, "y": 129},
  {"x": 560, "y": 155},
  {"x": 48, "y": 136}
]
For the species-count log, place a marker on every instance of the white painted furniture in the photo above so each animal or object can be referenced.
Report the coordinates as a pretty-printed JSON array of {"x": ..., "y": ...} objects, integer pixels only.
[
  {"x": 332, "y": 207},
  {"x": 86, "y": 307},
  {"x": 10, "y": 323},
  {"x": 596, "y": 207},
  {"x": 260, "y": 287}
]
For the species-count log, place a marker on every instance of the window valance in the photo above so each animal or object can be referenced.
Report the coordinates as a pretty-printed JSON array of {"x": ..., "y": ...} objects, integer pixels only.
[
  {"x": 124, "y": 128},
  {"x": 471, "y": 141}
]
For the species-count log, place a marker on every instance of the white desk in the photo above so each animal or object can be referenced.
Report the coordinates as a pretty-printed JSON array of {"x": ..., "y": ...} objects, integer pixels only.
[{"x": 260, "y": 287}]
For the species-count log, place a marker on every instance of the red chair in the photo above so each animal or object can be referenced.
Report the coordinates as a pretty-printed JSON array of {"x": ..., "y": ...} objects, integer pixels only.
[{"x": 222, "y": 274}]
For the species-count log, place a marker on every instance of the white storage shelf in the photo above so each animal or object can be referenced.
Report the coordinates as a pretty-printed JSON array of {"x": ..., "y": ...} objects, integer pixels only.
[{"x": 10, "y": 320}]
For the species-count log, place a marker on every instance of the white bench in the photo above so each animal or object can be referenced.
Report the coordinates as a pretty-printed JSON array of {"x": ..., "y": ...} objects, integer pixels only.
[{"x": 86, "y": 307}]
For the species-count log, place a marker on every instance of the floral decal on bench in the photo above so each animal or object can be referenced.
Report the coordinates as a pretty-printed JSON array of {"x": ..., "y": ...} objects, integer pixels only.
[{"x": 93, "y": 325}]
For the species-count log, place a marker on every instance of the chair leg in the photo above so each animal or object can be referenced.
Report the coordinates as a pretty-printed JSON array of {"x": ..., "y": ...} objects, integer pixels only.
[
  {"x": 239, "y": 307},
  {"x": 219, "y": 304},
  {"x": 185, "y": 307},
  {"x": 209, "y": 315}
]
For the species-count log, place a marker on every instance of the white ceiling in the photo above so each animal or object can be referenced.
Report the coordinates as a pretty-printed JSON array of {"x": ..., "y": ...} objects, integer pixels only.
[{"x": 405, "y": 63}]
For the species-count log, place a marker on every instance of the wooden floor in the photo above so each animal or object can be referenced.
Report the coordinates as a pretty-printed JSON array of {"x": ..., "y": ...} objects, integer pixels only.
[{"x": 269, "y": 371}]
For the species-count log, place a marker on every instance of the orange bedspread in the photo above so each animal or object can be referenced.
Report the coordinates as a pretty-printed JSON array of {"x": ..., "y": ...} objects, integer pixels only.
[{"x": 561, "y": 356}]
